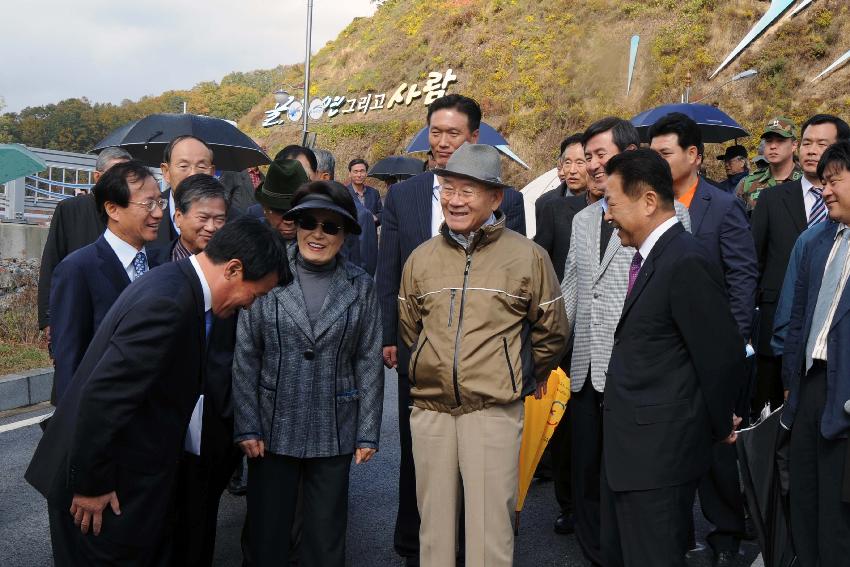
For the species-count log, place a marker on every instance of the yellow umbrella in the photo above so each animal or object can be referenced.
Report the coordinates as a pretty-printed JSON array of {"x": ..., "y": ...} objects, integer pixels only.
[{"x": 541, "y": 418}]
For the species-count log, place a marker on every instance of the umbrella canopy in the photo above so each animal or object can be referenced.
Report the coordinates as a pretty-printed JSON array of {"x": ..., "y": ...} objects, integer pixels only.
[
  {"x": 486, "y": 135},
  {"x": 147, "y": 138},
  {"x": 399, "y": 167},
  {"x": 532, "y": 192},
  {"x": 17, "y": 161},
  {"x": 763, "y": 458},
  {"x": 541, "y": 418},
  {"x": 716, "y": 126}
]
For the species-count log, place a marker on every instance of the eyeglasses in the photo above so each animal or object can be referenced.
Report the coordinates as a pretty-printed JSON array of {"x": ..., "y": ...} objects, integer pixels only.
[
  {"x": 310, "y": 223},
  {"x": 151, "y": 204},
  {"x": 449, "y": 193}
]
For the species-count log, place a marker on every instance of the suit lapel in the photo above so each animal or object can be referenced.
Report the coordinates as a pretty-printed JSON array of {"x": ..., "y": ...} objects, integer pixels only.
[
  {"x": 110, "y": 265},
  {"x": 699, "y": 206},
  {"x": 795, "y": 204},
  {"x": 341, "y": 294},
  {"x": 817, "y": 267},
  {"x": 198, "y": 296},
  {"x": 614, "y": 246},
  {"x": 423, "y": 206},
  {"x": 648, "y": 268}
]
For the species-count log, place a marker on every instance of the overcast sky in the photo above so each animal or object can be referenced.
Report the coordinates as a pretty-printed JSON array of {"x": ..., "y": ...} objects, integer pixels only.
[{"x": 108, "y": 51}]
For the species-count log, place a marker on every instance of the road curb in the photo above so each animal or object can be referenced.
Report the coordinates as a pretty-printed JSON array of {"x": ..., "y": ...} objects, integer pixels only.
[{"x": 25, "y": 388}]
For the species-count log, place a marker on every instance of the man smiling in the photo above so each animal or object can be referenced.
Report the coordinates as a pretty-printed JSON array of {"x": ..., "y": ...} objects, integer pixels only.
[
  {"x": 480, "y": 308},
  {"x": 201, "y": 203}
]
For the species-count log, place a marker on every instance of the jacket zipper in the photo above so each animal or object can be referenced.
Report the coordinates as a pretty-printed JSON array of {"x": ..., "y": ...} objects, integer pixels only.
[
  {"x": 460, "y": 326},
  {"x": 452, "y": 306},
  {"x": 510, "y": 366}
]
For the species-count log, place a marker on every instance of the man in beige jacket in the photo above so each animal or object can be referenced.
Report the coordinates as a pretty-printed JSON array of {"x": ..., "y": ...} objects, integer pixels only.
[{"x": 482, "y": 308}]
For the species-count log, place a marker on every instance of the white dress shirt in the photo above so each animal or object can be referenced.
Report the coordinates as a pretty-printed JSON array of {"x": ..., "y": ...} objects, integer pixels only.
[
  {"x": 205, "y": 287},
  {"x": 809, "y": 199},
  {"x": 125, "y": 251},
  {"x": 172, "y": 208},
  {"x": 437, "y": 217},
  {"x": 651, "y": 240}
]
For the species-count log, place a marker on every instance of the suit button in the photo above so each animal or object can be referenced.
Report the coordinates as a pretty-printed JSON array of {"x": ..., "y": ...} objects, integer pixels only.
[
  {"x": 616, "y": 342},
  {"x": 595, "y": 296},
  {"x": 309, "y": 354}
]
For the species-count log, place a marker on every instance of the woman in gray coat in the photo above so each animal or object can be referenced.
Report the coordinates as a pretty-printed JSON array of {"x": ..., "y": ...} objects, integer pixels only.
[{"x": 308, "y": 385}]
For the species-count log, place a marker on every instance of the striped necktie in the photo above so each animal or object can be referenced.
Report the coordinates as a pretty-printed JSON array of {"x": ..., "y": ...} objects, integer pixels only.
[{"x": 818, "y": 213}]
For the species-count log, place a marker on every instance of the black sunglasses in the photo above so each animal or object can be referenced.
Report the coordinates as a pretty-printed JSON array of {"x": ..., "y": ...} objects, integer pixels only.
[{"x": 308, "y": 222}]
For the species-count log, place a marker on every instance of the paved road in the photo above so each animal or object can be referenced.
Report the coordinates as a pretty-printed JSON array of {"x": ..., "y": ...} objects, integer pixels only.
[{"x": 24, "y": 537}]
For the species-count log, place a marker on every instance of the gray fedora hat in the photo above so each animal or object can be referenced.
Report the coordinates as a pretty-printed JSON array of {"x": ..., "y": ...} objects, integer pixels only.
[{"x": 478, "y": 162}]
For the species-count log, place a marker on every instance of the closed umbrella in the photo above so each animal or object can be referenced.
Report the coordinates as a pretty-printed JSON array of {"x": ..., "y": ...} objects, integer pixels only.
[
  {"x": 763, "y": 460},
  {"x": 146, "y": 139},
  {"x": 541, "y": 418},
  {"x": 716, "y": 126},
  {"x": 17, "y": 161}
]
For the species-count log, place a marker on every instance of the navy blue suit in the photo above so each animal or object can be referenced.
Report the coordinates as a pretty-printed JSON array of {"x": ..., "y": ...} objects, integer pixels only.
[
  {"x": 84, "y": 286},
  {"x": 819, "y": 499},
  {"x": 122, "y": 423},
  {"x": 405, "y": 224},
  {"x": 719, "y": 222},
  {"x": 371, "y": 197}
]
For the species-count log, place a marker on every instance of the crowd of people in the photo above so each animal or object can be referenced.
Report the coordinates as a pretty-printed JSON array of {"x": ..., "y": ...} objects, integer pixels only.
[{"x": 189, "y": 331}]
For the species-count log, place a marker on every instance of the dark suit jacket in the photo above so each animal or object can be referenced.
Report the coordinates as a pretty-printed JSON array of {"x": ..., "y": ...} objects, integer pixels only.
[
  {"x": 75, "y": 224},
  {"x": 167, "y": 231},
  {"x": 405, "y": 224},
  {"x": 551, "y": 196},
  {"x": 554, "y": 226},
  {"x": 85, "y": 285},
  {"x": 240, "y": 189},
  {"x": 670, "y": 384},
  {"x": 122, "y": 423},
  {"x": 372, "y": 198},
  {"x": 835, "y": 422},
  {"x": 719, "y": 222},
  {"x": 778, "y": 219}
]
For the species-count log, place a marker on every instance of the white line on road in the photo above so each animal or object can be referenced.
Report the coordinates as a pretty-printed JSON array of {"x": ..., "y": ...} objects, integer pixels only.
[{"x": 24, "y": 423}]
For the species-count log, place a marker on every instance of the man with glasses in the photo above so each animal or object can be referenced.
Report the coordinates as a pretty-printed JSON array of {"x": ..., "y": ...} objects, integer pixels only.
[
  {"x": 735, "y": 160},
  {"x": 184, "y": 156},
  {"x": 88, "y": 281}
]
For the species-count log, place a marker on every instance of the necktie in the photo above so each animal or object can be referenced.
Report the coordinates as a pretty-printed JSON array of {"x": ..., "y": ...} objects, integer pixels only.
[
  {"x": 208, "y": 322},
  {"x": 818, "y": 213},
  {"x": 634, "y": 270},
  {"x": 828, "y": 288},
  {"x": 140, "y": 264}
]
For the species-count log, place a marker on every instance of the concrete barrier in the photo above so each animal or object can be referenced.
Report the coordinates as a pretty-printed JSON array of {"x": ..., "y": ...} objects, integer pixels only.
[
  {"x": 25, "y": 241},
  {"x": 25, "y": 388}
]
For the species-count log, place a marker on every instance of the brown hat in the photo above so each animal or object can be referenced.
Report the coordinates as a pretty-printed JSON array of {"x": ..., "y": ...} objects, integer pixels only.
[{"x": 284, "y": 177}]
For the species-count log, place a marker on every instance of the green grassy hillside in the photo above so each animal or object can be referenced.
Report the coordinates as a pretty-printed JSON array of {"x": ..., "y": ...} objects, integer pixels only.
[{"x": 540, "y": 69}]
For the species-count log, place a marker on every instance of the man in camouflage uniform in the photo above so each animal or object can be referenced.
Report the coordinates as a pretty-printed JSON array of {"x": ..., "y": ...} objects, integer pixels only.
[{"x": 780, "y": 139}]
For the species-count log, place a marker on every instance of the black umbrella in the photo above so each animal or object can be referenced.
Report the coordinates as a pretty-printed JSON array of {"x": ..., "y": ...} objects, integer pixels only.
[
  {"x": 716, "y": 126},
  {"x": 147, "y": 138},
  {"x": 763, "y": 459},
  {"x": 399, "y": 167}
]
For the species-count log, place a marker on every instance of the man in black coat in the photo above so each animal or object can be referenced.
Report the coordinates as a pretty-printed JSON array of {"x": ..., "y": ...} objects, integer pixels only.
[
  {"x": 75, "y": 223},
  {"x": 411, "y": 215},
  {"x": 572, "y": 171},
  {"x": 108, "y": 462},
  {"x": 670, "y": 387},
  {"x": 781, "y": 214}
]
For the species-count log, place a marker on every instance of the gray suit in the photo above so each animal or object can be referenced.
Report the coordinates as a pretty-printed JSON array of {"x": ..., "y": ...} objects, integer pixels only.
[
  {"x": 311, "y": 392},
  {"x": 594, "y": 294}
]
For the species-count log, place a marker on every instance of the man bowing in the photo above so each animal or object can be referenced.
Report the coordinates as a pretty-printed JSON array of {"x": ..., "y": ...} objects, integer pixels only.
[
  {"x": 670, "y": 386},
  {"x": 108, "y": 462}
]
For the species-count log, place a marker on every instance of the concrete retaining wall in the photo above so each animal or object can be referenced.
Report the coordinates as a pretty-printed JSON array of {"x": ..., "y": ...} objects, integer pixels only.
[
  {"x": 24, "y": 241},
  {"x": 25, "y": 388}
]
